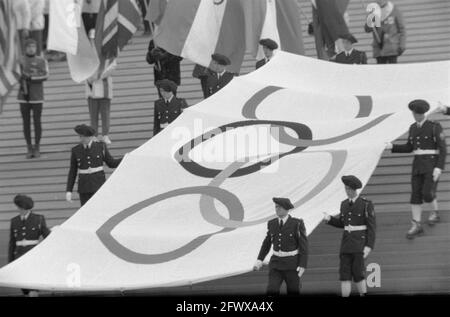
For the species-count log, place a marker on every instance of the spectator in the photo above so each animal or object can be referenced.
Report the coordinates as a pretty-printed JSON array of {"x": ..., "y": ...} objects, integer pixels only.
[
  {"x": 99, "y": 92},
  {"x": 390, "y": 37},
  {"x": 37, "y": 23},
  {"x": 218, "y": 77},
  {"x": 349, "y": 55},
  {"x": 22, "y": 14},
  {"x": 268, "y": 47},
  {"x": 31, "y": 95},
  {"x": 89, "y": 14},
  {"x": 25, "y": 231},
  {"x": 165, "y": 65},
  {"x": 167, "y": 108}
]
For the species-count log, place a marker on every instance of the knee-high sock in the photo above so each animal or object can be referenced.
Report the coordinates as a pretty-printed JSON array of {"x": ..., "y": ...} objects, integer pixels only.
[
  {"x": 346, "y": 288},
  {"x": 362, "y": 287},
  {"x": 416, "y": 212}
]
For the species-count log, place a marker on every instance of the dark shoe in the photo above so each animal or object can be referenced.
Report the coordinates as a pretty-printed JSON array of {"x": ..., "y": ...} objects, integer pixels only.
[
  {"x": 415, "y": 231},
  {"x": 29, "y": 152},
  {"x": 36, "y": 152},
  {"x": 433, "y": 218}
]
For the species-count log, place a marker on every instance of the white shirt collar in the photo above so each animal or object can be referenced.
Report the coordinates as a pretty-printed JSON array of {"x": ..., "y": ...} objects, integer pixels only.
[
  {"x": 221, "y": 74},
  {"x": 25, "y": 217},
  {"x": 284, "y": 219},
  {"x": 347, "y": 53},
  {"x": 89, "y": 144},
  {"x": 169, "y": 100},
  {"x": 352, "y": 200},
  {"x": 420, "y": 124}
]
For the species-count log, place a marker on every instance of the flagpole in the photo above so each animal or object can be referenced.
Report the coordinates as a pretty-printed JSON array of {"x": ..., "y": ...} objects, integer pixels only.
[{"x": 152, "y": 29}]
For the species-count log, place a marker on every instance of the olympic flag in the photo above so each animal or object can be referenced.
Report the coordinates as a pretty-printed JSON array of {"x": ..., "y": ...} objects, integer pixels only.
[{"x": 191, "y": 204}]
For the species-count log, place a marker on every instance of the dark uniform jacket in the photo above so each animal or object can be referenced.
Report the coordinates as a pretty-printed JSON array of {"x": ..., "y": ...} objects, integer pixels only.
[
  {"x": 260, "y": 63},
  {"x": 167, "y": 67},
  {"x": 356, "y": 57},
  {"x": 32, "y": 228},
  {"x": 447, "y": 112},
  {"x": 214, "y": 84},
  {"x": 83, "y": 159},
  {"x": 359, "y": 213},
  {"x": 34, "y": 73},
  {"x": 427, "y": 137},
  {"x": 291, "y": 237},
  {"x": 166, "y": 113}
]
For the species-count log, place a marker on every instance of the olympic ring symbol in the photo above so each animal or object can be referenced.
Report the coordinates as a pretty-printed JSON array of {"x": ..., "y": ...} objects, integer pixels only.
[
  {"x": 212, "y": 191},
  {"x": 302, "y": 131},
  {"x": 207, "y": 210}
]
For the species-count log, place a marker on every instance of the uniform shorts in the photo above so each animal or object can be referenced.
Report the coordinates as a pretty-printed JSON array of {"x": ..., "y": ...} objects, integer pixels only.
[
  {"x": 352, "y": 267},
  {"x": 423, "y": 188}
]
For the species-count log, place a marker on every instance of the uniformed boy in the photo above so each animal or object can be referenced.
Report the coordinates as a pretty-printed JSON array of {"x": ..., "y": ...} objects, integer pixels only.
[
  {"x": 168, "y": 107},
  {"x": 357, "y": 218},
  {"x": 218, "y": 76},
  {"x": 87, "y": 161},
  {"x": 427, "y": 141},
  {"x": 25, "y": 231},
  {"x": 287, "y": 236},
  {"x": 269, "y": 46},
  {"x": 350, "y": 55}
]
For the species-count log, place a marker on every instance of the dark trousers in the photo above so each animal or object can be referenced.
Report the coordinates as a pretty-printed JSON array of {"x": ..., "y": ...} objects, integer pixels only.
[
  {"x": 89, "y": 21},
  {"x": 204, "y": 84},
  {"x": 423, "y": 188},
  {"x": 37, "y": 35},
  {"x": 351, "y": 267},
  {"x": 84, "y": 197},
  {"x": 144, "y": 4},
  {"x": 25, "y": 109},
  {"x": 100, "y": 106},
  {"x": 276, "y": 278},
  {"x": 387, "y": 60}
]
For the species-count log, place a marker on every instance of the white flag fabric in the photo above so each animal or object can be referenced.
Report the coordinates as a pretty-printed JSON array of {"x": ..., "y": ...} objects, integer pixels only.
[
  {"x": 191, "y": 204},
  {"x": 67, "y": 34}
]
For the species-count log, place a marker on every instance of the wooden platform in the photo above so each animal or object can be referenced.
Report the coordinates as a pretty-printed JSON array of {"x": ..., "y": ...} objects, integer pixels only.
[{"x": 422, "y": 265}]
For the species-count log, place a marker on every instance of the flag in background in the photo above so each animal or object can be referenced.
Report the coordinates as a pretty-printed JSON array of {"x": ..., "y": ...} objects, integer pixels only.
[
  {"x": 67, "y": 34},
  {"x": 9, "y": 51},
  {"x": 155, "y": 11},
  {"x": 195, "y": 29},
  {"x": 117, "y": 21},
  {"x": 329, "y": 24}
]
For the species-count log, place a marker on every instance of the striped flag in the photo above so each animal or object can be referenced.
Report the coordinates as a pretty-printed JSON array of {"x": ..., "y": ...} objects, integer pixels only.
[
  {"x": 195, "y": 29},
  {"x": 9, "y": 51},
  {"x": 117, "y": 21}
]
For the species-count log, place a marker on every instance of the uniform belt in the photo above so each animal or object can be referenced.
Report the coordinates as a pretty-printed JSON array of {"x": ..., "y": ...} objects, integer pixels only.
[
  {"x": 425, "y": 152},
  {"x": 164, "y": 125},
  {"x": 355, "y": 228},
  {"x": 91, "y": 170},
  {"x": 24, "y": 243},
  {"x": 283, "y": 254}
]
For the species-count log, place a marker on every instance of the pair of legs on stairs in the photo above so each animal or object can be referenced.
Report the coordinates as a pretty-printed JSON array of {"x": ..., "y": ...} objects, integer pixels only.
[
  {"x": 100, "y": 107},
  {"x": 25, "y": 110},
  {"x": 423, "y": 191}
]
